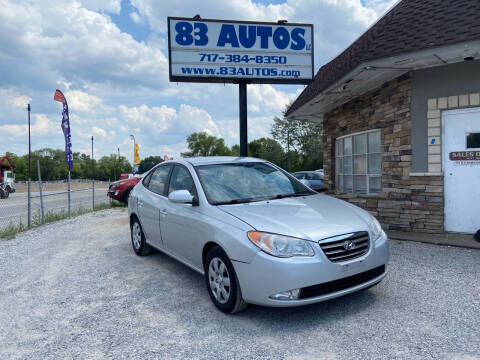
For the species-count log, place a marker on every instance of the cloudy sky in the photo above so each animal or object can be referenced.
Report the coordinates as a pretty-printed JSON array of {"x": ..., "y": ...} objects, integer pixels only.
[{"x": 110, "y": 59}]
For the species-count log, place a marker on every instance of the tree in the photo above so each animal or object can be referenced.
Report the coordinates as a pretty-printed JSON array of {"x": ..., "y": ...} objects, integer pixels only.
[
  {"x": 303, "y": 142},
  {"x": 148, "y": 163},
  {"x": 53, "y": 167},
  {"x": 267, "y": 149},
  {"x": 202, "y": 144}
]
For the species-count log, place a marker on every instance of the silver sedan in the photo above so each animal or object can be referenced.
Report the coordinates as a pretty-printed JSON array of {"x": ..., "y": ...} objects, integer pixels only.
[{"x": 255, "y": 232}]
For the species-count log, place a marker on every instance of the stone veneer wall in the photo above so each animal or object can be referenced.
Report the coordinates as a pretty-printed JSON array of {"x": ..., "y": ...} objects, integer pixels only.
[{"x": 408, "y": 202}]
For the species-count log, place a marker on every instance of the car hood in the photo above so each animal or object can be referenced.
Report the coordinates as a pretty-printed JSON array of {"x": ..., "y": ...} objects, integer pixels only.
[
  {"x": 126, "y": 181},
  {"x": 312, "y": 217}
]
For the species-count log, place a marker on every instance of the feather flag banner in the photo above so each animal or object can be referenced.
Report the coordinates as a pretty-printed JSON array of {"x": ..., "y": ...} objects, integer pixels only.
[{"x": 65, "y": 128}]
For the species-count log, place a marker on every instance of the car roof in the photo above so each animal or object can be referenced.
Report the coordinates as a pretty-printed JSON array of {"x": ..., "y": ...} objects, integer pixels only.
[{"x": 208, "y": 160}]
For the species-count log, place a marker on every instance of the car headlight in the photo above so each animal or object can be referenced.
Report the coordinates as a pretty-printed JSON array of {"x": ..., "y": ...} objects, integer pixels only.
[
  {"x": 280, "y": 245},
  {"x": 113, "y": 186},
  {"x": 375, "y": 229}
]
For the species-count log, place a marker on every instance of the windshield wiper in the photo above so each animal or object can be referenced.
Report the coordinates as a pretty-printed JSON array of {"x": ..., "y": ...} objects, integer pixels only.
[
  {"x": 234, "y": 201},
  {"x": 282, "y": 196}
]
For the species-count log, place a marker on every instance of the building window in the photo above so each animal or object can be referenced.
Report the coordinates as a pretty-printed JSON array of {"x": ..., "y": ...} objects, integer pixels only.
[
  {"x": 359, "y": 163},
  {"x": 473, "y": 140}
]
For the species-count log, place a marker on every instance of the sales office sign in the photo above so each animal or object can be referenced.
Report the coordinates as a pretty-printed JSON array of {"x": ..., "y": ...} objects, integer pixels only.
[{"x": 232, "y": 51}]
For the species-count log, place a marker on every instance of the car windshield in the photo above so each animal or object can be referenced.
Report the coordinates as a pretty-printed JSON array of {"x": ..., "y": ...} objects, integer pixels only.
[{"x": 247, "y": 182}]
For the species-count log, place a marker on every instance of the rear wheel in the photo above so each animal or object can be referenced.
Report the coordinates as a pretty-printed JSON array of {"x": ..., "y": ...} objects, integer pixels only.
[
  {"x": 222, "y": 283},
  {"x": 139, "y": 244}
]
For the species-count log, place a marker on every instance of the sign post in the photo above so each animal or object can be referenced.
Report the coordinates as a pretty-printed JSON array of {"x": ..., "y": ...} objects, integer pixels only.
[
  {"x": 242, "y": 105},
  {"x": 240, "y": 52}
]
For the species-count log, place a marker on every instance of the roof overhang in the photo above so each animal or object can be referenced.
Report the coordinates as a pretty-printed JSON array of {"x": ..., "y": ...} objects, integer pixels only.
[{"x": 372, "y": 74}]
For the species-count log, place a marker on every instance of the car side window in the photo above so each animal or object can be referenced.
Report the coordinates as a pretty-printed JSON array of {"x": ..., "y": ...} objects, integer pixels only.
[
  {"x": 313, "y": 176},
  {"x": 146, "y": 180},
  {"x": 181, "y": 180},
  {"x": 158, "y": 179},
  {"x": 300, "y": 176}
]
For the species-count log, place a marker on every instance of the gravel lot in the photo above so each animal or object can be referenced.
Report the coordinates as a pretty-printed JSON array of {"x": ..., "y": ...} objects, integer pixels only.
[{"x": 75, "y": 289}]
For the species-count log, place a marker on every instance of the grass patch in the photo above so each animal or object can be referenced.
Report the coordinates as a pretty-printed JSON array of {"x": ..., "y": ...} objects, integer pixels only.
[{"x": 51, "y": 216}]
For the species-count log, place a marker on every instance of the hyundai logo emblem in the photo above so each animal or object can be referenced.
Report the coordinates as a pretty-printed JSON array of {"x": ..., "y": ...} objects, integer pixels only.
[{"x": 348, "y": 245}]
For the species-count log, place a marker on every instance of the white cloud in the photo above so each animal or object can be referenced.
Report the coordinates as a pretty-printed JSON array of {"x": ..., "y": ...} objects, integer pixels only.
[
  {"x": 136, "y": 18},
  {"x": 84, "y": 102},
  {"x": 13, "y": 99},
  {"x": 41, "y": 126},
  {"x": 99, "y": 131},
  {"x": 67, "y": 42},
  {"x": 265, "y": 98},
  {"x": 112, "y": 6}
]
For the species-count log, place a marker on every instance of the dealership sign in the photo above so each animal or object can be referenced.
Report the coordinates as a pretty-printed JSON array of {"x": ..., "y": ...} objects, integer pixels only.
[
  {"x": 238, "y": 51},
  {"x": 465, "y": 156}
]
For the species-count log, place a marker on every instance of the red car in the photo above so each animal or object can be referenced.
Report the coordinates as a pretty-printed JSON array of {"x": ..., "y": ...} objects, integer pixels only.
[{"x": 120, "y": 189}]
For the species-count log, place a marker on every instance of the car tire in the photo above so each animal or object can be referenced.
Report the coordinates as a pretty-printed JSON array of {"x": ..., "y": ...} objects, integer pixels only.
[
  {"x": 139, "y": 244},
  {"x": 126, "y": 197},
  {"x": 6, "y": 193},
  {"x": 221, "y": 279}
]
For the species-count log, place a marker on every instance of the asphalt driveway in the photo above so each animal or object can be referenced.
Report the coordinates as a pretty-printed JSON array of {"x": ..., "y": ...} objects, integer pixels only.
[{"x": 75, "y": 289}]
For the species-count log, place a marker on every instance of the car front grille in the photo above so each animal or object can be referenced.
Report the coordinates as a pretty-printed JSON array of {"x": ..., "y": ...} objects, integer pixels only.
[
  {"x": 341, "y": 284},
  {"x": 345, "y": 247}
]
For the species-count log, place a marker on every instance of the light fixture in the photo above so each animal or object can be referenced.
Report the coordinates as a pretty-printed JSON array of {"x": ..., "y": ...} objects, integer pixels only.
[{"x": 287, "y": 295}]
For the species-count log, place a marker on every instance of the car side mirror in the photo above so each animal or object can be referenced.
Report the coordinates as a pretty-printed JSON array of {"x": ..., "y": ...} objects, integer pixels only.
[{"x": 181, "y": 197}]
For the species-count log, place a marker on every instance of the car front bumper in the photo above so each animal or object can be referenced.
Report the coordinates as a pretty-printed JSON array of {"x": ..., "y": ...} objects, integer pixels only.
[
  {"x": 114, "y": 194},
  {"x": 267, "y": 275}
]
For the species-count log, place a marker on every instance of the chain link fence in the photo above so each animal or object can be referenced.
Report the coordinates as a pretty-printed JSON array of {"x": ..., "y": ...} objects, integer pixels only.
[{"x": 14, "y": 209}]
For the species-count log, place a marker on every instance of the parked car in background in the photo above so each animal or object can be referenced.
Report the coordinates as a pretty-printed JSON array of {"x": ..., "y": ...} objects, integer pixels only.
[
  {"x": 320, "y": 171},
  {"x": 256, "y": 233},
  {"x": 312, "y": 179},
  {"x": 120, "y": 189}
]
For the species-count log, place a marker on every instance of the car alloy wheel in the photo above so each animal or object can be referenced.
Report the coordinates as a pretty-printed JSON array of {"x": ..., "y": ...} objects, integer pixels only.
[
  {"x": 219, "y": 280},
  {"x": 136, "y": 235}
]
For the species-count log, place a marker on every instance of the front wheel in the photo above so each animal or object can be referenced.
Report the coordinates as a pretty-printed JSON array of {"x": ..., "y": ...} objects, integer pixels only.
[{"x": 222, "y": 283}]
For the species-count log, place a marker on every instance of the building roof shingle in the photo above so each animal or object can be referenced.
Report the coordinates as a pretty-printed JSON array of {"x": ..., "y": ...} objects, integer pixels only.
[{"x": 411, "y": 25}]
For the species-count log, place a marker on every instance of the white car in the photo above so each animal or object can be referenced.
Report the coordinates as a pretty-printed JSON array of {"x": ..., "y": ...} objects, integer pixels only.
[{"x": 255, "y": 232}]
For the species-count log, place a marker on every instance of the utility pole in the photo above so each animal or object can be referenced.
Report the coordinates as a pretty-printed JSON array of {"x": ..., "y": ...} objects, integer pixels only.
[
  {"x": 93, "y": 180},
  {"x": 114, "y": 167},
  {"x": 134, "y": 142},
  {"x": 29, "y": 221},
  {"x": 288, "y": 150}
]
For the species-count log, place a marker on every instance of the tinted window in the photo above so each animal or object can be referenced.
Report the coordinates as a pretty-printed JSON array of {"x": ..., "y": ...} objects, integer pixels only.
[
  {"x": 158, "y": 179},
  {"x": 299, "y": 175},
  {"x": 473, "y": 140},
  {"x": 245, "y": 182},
  {"x": 181, "y": 180}
]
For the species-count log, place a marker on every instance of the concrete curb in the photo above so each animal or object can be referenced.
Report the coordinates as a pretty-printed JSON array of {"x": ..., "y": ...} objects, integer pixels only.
[{"x": 447, "y": 239}]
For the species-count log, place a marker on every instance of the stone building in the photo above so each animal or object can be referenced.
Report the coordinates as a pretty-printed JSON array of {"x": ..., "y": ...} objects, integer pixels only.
[{"x": 401, "y": 116}]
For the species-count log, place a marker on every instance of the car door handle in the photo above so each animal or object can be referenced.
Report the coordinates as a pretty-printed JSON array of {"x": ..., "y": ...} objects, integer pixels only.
[{"x": 163, "y": 212}]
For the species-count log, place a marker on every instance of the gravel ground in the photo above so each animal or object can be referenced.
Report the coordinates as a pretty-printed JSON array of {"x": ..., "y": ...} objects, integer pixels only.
[{"x": 75, "y": 289}]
